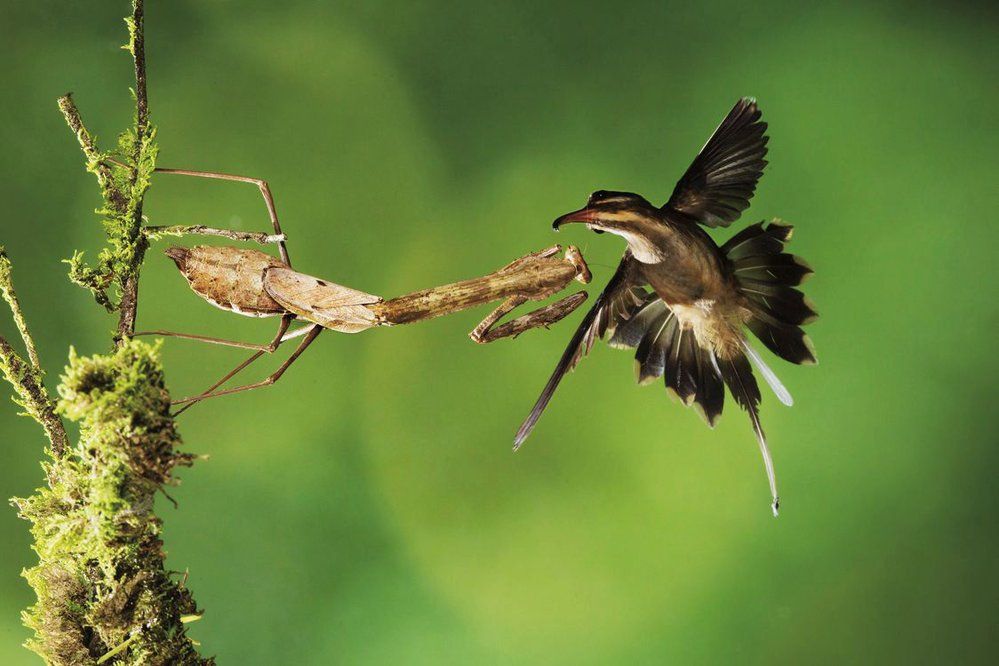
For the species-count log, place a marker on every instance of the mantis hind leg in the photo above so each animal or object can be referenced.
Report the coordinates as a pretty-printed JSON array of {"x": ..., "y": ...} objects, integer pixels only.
[
  {"x": 310, "y": 336},
  {"x": 263, "y": 349}
]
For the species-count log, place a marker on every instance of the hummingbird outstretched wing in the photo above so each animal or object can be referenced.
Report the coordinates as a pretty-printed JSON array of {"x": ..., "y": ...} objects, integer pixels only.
[
  {"x": 718, "y": 185},
  {"x": 622, "y": 296}
]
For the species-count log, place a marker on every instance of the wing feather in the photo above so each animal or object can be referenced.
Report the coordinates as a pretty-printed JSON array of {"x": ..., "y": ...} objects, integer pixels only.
[
  {"x": 615, "y": 304},
  {"x": 718, "y": 185}
]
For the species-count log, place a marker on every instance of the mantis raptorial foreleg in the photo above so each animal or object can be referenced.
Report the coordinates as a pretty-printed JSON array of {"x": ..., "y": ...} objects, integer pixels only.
[{"x": 542, "y": 317}]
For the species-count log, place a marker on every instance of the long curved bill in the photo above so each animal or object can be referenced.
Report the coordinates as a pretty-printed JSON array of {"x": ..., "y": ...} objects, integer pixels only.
[{"x": 583, "y": 215}]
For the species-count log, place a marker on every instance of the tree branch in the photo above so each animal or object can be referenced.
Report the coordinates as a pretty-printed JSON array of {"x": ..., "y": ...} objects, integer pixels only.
[
  {"x": 104, "y": 594},
  {"x": 24, "y": 377},
  {"x": 128, "y": 308},
  {"x": 123, "y": 187},
  {"x": 9, "y": 295}
]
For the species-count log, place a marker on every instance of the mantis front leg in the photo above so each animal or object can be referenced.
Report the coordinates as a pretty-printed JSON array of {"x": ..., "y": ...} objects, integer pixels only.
[{"x": 545, "y": 317}]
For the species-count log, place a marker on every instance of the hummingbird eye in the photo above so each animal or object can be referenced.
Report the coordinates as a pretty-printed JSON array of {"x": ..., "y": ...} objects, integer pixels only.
[{"x": 598, "y": 196}]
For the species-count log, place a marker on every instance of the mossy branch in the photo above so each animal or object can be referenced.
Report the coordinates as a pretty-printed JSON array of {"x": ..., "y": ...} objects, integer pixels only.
[
  {"x": 26, "y": 377},
  {"x": 123, "y": 187},
  {"x": 132, "y": 245},
  {"x": 9, "y": 295},
  {"x": 104, "y": 594}
]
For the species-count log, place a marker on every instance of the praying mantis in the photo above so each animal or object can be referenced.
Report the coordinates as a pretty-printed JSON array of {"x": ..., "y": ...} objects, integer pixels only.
[{"x": 253, "y": 283}]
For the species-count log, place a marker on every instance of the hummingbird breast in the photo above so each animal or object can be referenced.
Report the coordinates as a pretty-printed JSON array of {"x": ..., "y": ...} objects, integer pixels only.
[
  {"x": 694, "y": 282},
  {"x": 692, "y": 267}
]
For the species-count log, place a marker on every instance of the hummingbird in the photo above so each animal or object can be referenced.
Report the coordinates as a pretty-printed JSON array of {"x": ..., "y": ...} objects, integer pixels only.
[{"x": 689, "y": 326}]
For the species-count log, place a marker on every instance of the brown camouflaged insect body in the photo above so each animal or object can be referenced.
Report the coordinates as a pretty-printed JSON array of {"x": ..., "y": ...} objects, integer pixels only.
[
  {"x": 229, "y": 278},
  {"x": 255, "y": 284}
]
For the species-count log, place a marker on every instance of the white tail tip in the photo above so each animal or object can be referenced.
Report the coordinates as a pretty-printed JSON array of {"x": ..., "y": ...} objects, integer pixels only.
[{"x": 775, "y": 384}]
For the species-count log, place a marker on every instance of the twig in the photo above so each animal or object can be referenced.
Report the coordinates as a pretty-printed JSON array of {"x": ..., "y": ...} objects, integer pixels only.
[
  {"x": 137, "y": 47},
  {"x": 9, "y": 295},
  {"x": 33, "y": 396},
  {"x": 24, "y": 377},
  {"x": 129, "y": 304},
  {"x": 95, "y": 160}
]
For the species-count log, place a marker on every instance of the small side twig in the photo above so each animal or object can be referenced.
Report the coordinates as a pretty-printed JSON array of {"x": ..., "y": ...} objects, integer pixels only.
[
  {"x": 95, "y": 160},
  {"x": 26, "y": 377},
  {"x": 9, "y": 295}
]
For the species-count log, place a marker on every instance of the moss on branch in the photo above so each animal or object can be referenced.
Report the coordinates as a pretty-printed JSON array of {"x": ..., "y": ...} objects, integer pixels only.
[
  {"x": 26, "y": 376},
  {"x": 123, "y": 187},
  {"x": 101, "y": 580},
  {"x": 104, "y": 595}
]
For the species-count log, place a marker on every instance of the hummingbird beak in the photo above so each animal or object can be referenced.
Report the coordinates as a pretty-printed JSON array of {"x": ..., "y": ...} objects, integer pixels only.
[{"x": 583, "y": 215}]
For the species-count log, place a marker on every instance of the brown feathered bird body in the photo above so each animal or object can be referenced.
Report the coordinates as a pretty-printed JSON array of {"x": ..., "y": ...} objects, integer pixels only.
[{"x": 690, "y": 327}]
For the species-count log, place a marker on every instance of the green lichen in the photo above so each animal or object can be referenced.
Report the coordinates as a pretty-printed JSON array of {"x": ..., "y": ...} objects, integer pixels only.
[{"x": 100, "y": 580}]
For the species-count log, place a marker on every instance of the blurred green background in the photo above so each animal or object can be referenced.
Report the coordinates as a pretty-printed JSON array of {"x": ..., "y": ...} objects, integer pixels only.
[{"x": 367, "y": 509}]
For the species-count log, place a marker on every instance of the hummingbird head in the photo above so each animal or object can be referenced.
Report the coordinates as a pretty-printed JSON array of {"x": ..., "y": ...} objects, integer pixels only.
[{"x": 624, "y": 214}]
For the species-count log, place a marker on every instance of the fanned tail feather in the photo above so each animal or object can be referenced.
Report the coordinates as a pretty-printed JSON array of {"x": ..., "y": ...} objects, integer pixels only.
[
  {"x": 766, "y": 276},
  {"x": 664, "y": 349},
  {"x": 769, "y": 375},
  {"x": 695, "y": 375}
]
